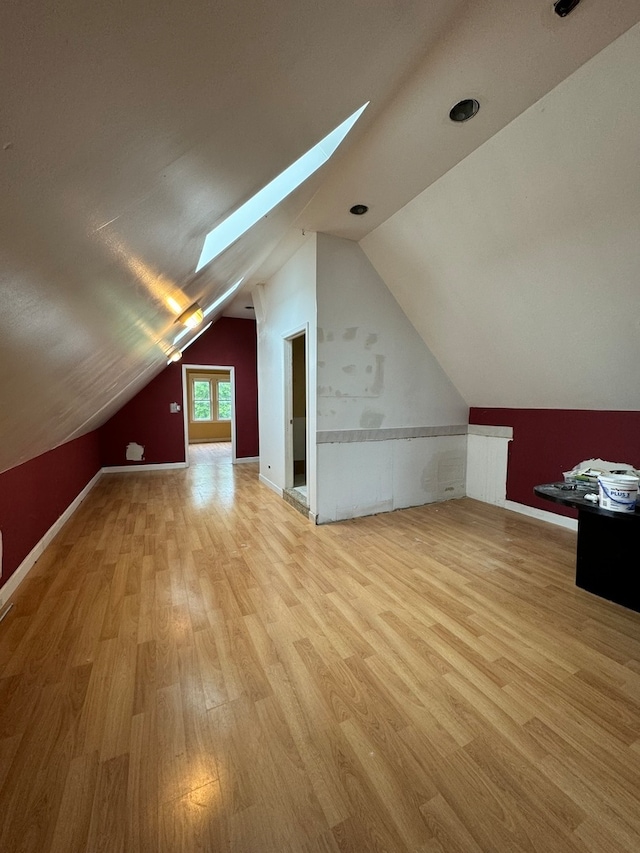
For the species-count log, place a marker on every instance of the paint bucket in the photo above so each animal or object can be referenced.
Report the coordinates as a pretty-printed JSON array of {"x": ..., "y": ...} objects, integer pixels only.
[{"x": 618, "y": 492}]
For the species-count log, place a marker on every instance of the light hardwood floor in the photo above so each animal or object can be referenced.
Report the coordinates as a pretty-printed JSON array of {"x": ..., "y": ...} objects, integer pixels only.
[{"x": 193, "y": 666}]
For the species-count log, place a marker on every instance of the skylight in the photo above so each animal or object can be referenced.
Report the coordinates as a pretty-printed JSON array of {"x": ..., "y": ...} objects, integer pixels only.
[{"x": 238, "y": 222}]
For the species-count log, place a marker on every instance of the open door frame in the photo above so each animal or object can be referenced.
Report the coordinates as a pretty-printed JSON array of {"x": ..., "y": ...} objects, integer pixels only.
[
  {"x": 185, "y": 403},
  {"x": 288, "y": 339}
]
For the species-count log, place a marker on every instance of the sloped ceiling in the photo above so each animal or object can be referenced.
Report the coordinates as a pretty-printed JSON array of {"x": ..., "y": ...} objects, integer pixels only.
[
  {"x": 520, "y": 266},
  {"x": 128, "y": 130}
]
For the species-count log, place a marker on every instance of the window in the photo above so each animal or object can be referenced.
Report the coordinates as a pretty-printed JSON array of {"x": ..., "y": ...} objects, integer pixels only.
[
  {"x": 237, "y": 223},
  {"x": 223, "y": 399},
  {"x": 202, "y": 402},
  {"x": 210, "y": 399}
]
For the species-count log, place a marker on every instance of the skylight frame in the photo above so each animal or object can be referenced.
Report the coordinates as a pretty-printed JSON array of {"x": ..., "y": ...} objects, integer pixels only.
[{"x": 265, "y": 200}]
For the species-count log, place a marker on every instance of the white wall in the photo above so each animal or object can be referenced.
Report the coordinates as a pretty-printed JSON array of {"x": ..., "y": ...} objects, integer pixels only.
[
  {"x": 487, "y": 458},
  {"x": 391, "y": 426},
  {"x": 284, "y": 305},
  {"x": 520, "y": 267}
]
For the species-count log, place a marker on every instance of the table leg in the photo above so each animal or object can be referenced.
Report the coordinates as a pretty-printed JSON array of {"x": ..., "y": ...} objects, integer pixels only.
[{"x": 607, "y": 559}]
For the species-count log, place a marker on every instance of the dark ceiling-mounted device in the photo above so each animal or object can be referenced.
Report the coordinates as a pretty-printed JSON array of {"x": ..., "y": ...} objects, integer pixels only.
[
  {"x": 564, "y": 7},
  {"x": 464, "y": 110}
]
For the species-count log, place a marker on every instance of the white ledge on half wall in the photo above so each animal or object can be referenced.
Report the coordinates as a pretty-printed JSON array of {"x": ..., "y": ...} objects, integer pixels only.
[{"x": 490, "y": 431}]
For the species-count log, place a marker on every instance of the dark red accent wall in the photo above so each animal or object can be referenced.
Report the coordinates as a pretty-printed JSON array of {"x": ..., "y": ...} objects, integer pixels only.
[
  {"x": 35, "y": 494},
  {"x": 146, "y": 418},
  {"x": 547, "y": 442}
]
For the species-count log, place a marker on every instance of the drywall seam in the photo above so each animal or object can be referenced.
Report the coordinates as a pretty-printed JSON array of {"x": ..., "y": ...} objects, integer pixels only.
[
  {"x": 342, "y": 436},
  {"x": 9, "y": 589},
  {"x": 542, "y": 515}
]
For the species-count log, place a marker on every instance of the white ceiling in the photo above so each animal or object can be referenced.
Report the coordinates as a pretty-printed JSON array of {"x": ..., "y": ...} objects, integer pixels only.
[
  {"x": 519, "y": 267},
  {"x": 128, "y": 130}
]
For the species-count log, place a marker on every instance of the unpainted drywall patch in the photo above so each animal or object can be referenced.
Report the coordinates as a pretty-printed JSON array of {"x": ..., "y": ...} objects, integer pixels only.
[
  {"x": 377, "y": 386},
  {"x": 135, "y": 452},
  {"x": 371, "y": 419},
  {"x": 350, "y": 363},
  {"x": 444, "y": 474}
]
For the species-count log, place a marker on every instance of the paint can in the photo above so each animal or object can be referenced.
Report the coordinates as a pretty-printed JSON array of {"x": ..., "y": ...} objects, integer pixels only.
[{"x": 617, "y": 492}]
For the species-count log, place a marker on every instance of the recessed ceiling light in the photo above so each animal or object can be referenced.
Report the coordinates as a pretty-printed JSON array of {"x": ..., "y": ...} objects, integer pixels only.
[
  {"x": 464, "y": 110},
  {"x": 563, "y": 7},
  {"x": 358, "y": 209}
]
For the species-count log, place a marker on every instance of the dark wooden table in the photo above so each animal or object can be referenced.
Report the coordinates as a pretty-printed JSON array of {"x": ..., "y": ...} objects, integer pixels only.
[{"x": 607, "y": 558}]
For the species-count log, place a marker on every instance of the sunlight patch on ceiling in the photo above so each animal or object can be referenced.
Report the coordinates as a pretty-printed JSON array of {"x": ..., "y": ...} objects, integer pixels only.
[
  {"x": 239, "y": 222},
  {"x": 227, "y": 293}
]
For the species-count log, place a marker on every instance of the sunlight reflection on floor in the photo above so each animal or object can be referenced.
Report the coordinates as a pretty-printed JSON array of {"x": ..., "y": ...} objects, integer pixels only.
[{"x": 211, "y": 475}]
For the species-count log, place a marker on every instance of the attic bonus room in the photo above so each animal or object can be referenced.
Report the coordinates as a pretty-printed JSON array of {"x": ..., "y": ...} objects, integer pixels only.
[{"x": 299, "y": 303}]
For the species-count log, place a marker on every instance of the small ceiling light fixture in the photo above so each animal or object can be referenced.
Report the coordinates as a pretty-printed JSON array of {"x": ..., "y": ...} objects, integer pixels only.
[
  {"x": 192, "y": 317},
  {"x": 175, "y": 356},
  {"x": 563, "y": 7},
  {"x": 358, "y": 209},
  {"x": 464, "y": 110}
]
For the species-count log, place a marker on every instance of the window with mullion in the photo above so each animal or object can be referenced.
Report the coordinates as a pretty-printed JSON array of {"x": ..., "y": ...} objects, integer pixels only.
[{"x": 202, "y": 400}]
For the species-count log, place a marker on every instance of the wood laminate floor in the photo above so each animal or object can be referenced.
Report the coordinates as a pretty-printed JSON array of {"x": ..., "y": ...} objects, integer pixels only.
[{"x": 193, "y": 666}]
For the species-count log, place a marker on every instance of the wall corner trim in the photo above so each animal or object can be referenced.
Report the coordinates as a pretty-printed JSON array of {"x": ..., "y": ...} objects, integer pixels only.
[
  {"x": 542, "y": 515},
  {"x": 12, "y": 584},
  {"x": 152, "y": 466}
]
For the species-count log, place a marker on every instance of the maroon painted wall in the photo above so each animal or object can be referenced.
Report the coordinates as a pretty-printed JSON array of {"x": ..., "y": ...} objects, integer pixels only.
[
  {"x": 35, "y": 494},
  {"x": 146, "y": 418},
  {"x": 547, "y": 442}
]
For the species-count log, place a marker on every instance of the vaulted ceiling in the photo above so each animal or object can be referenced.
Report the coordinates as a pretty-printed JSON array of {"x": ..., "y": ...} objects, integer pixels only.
[{"x": 128, "y": 130}]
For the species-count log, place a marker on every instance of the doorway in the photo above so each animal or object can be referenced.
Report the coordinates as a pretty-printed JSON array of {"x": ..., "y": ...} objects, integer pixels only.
[
  {"x": 208, "y": 395},
  {"x": 297, "y": 433}
]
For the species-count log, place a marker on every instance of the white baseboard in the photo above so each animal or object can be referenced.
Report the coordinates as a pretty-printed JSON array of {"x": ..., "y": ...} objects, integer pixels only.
[
  {"x": 152, "y": 466},
  {"x": 542, "y": 515},
  {"x": 23, "y": 569},
  {"x": 270, "y": 485},
  {"x": 243, "y": 459}
]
